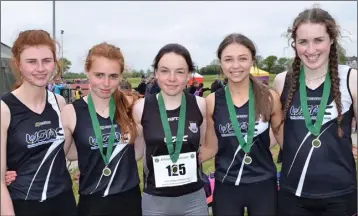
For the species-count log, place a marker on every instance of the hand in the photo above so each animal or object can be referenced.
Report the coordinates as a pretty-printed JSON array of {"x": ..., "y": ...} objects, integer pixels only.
[{"x": 10, "y": 176}]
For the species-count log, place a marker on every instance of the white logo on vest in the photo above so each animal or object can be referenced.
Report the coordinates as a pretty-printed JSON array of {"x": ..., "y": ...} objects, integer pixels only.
[{"x": 193, "y": 127}]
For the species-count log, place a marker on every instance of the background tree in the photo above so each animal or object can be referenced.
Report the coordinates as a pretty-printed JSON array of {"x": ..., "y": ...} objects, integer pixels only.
[
  {"x": 212, "y": 69},
  {"x": 70, "y": 75},
  {"x": 65, "y": 64},
  {"x": 269, "y": 63},
  {"x": 260, "y": 62},
  {"x": 341, "y": 54},
  {"x": 280, "y": 66},
  {"x": 148, "y": 72}
]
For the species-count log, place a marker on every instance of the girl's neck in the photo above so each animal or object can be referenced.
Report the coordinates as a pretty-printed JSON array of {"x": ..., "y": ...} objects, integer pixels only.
[
  {"x": 316, "y": 74},
  {"x": 101, "y": 104},
  {"x": 172, "y": 101},
  {"x": 239, "y": 89},
  {"x": 31, "y": 95}
]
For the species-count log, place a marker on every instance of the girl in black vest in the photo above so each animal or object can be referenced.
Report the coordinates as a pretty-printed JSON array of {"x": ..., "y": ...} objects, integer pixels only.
[
  {"x": 103, "y": 131},
  {"x": 173, "y": 126},
  {"x": 238, "y": 134},
  {"x": 32, "y": 134},
  {"x": 320, "y": 99}
]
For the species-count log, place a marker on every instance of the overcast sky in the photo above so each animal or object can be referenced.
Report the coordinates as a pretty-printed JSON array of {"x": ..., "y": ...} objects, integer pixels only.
[{"x": 140, "y": 29}]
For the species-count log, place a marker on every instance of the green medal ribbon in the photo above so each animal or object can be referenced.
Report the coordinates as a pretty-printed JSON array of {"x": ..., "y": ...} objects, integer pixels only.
[
  {"x": 174, "y": 154},
  {"x": 316, "y": 127},
  {"x": 98, "y": 132},
  {"x": 246, "y": 146}
]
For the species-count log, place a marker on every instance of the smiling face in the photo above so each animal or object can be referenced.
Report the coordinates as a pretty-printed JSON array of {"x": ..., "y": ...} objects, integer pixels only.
[
  {"x": 236, "y": 62},
  {"x": 172, "y": 73},
  {"x": 37, "y": 65},
  {"x": 104, "y": 76},
  {"x": 313, "y": 44}
]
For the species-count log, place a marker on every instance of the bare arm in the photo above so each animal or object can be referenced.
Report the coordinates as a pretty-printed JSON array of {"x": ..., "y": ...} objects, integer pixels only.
[
  {"x": 353, "y": 88},
  {"x": 68, "y": 117},
  {"x": 61, "y": 101},
  {"x": 279, "y": 82},
  {"x": 276, "y": 118},
  {"x": 209, "y": 148},
  {"x": 202, "y": 106},
  {"x": 7, "y": 207},
  {"x": 277, "y": 136},
  {"x": 139, "y": 143}
]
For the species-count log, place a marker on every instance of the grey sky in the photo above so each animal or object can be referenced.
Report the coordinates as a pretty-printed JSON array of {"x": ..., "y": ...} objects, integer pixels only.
[{"x": 140, "y": 29}]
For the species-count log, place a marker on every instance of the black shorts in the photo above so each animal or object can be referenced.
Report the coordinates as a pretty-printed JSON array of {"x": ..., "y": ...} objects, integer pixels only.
[
  {"x": 128, "y": 203},
  {"x": 60, "y": 205},
  {"x": 291, "y": 205},
  {"x": 259, "y": 198}
]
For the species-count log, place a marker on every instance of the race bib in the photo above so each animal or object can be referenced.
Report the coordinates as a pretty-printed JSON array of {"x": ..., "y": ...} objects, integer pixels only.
[{"x": 168, "y": 174}]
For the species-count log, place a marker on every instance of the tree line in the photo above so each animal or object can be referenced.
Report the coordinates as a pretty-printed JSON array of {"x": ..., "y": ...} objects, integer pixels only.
[{"x": 271, "y": 64}]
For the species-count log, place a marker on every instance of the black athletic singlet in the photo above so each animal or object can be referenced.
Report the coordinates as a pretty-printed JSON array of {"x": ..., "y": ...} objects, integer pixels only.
[
  {"x": 35, "y": 151},
  {"x": 229, "y": 166},
  {"x": 155, "y": 145},
  {"x": 326, "y": 171},
  {"x": 122, "y": 163}
]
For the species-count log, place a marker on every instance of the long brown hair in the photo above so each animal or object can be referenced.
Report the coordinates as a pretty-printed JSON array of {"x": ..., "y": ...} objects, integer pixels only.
[
  {"x": 263, "y": 96},
  {"x": 30, "y": 38},
  {"x": 318, "y": 16},
  {"x": 123, "y": 113}
]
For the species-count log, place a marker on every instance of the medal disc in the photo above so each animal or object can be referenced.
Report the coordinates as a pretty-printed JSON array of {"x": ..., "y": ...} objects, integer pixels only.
[
  {"x": 316, "y": 143},
  {"x": 107, "y": 171},
  {"x": 247, "y": 160}
]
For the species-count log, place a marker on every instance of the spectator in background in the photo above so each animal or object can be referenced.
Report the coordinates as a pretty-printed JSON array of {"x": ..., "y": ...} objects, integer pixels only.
[
  {"x": 155, "y": 87},
  {"x": 58, "y": 85},
  {"x": 141, "y": 89},
  {"x": 216, "y": 85},
  {"x": 126, "y": 86},
  {"x": 193, "y": 87},
  {"x": 50, "y": 86},
  {"x": 200, "y": 90},
  {"x": 78, "y": 92},
  {"x": 149, "y": 86}
]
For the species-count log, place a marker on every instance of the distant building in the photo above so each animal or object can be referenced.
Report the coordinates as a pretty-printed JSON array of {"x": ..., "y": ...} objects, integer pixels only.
[
  {"x": 352, "y": 61},
  {"x": 5, "y": 51},
  {"x": 6, "y": 76}
]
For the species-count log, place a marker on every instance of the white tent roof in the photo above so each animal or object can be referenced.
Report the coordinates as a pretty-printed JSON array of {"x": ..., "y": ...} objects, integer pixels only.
[{"x": 196, "y": 75}]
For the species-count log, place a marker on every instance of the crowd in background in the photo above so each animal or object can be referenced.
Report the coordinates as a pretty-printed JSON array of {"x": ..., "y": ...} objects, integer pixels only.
[{"x": 147, "y": 86}]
